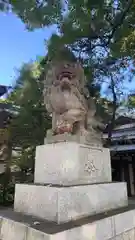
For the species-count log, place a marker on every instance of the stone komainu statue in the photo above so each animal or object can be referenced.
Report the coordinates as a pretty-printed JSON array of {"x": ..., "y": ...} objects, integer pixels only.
[{"x": 67, "y": 99}]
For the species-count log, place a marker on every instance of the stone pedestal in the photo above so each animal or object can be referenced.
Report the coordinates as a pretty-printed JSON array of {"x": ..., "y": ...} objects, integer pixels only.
[
  {"x": 70, "y": 163},
  {"x": 72, "y": 198},
  {"x": 71, "y": 181},
  {"x": 62, "y": 204}
]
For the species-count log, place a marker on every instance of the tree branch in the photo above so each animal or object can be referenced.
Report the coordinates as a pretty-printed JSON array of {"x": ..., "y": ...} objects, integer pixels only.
[{"x": 119, "y": 20}]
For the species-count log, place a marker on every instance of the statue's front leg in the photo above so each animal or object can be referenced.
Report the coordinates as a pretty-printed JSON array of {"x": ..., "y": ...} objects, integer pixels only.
[
  {"x": 76, "y": 117},
  {"x": 54, "y": 121},
  {"x": 81, "y": 128},
  {"x": 60, "y": 124}
]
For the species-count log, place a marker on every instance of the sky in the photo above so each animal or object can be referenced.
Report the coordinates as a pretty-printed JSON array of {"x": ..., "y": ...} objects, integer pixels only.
[{"x": 18, "y": 46}]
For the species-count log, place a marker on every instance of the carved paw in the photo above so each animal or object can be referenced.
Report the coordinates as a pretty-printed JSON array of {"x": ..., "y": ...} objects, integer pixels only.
[{"x": 64, "y": 129}]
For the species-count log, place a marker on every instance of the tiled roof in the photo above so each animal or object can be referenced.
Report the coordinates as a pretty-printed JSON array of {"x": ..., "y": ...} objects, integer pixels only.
[{"x": 122, "y": 120}]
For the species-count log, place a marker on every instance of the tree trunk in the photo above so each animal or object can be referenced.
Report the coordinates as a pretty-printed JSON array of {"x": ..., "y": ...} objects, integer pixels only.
[{"x": 112, "y": 122}]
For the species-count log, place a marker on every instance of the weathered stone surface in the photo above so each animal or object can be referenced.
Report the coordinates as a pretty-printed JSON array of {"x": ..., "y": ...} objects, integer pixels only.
[
  {"x": 64, "y": 204},
  {"x": 71, "y": 163},
  {"x": 33, "y": 234},
  {"x": 124, "y": 222},
  {"x": 129, "y": 235},
  {"x": 11, "y": 230},
  {"x": 62, "y": 236},
  {"x": 120, "y": 237},
  {"x": 98, "y": 230},
  {"x": 67, "y": 137},
  {"x": 39, "y": 201}
]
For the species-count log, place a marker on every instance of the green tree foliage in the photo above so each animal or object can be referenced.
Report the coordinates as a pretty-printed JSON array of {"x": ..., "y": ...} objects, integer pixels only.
[
  {"x": 97, "y": 31},
  {"x": 89, "y": 23},
  {"x": 92, "y": 26},
  {"x": 34, "y": 13},
  {"x": 31, "y": 121},
  {"x": 130, "y": 103}
]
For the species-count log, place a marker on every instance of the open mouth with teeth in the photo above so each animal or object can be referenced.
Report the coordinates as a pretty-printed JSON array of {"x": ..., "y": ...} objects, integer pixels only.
[{"x": 64, "y": 74}]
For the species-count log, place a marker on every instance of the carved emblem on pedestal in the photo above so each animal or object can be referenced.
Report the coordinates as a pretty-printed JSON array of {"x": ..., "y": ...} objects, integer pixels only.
[{"x": 90, "y": 167}]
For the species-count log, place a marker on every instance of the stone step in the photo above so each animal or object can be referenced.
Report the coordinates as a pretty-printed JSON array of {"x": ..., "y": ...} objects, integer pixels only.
[
  {"x": 105, "y": 226},
  {"x": 62, "y": 204}
]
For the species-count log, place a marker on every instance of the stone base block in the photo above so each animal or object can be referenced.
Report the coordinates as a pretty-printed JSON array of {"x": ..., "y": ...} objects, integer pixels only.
[
  {"x": 70, "y": 163},
  {"x": 117, "y": 225},
  {"x": 89, "y": 138},
  {"x": 62, "y": 204}
]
